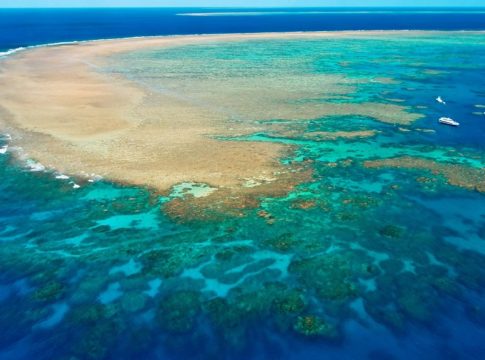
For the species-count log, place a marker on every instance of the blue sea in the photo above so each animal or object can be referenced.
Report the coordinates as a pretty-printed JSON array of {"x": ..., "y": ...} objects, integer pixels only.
[
  {"x": 23, "y": 27},
  {"x": 378, "y": 255}
]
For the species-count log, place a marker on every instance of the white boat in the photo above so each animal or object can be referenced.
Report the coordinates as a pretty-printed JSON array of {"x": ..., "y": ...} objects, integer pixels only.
[
  {"x": 440, "y": 100},
  {"x": 448, "y": 121}
]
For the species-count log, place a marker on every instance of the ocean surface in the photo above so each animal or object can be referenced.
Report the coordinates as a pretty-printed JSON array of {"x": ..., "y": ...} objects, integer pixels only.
[
  {"x": 379, "y": 256},
  {"x": 23, "y": 27}
]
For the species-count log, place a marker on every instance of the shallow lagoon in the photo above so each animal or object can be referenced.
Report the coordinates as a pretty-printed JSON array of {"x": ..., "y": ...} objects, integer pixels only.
[{"x": 381, "y": 262}]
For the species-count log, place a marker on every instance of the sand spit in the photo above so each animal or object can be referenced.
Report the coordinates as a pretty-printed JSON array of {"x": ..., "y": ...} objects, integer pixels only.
[{"x": 72, "y": 118}]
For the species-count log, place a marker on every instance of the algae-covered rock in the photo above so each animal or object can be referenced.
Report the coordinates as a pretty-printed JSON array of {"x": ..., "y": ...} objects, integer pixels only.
[
  {"x": 282, "y": 243},
  {"x": 49, "y": 292},
  {"x": 289, "y": 304},
  {"x": 97, "y": 340},
  {"x": 313, "y": 326},
  {"x": 223, "y": 314},
  {"x": 168, "y": 263},
  {"x": 229, "y": 321},
  {"x": 330, "y": 276},
  {"x": 178, "y": 311},
  {"x": 446, "y": 285},
  {"x": 336, "y": 290},
  {"x": 415, "y": 297},
  {"x": 286, "y": 307},
  {"x": 346, "y": 216},
  {"x": 440, "y": 278},
  {"x": 304, "y": 204},
  {"x": 391, "y": 231},
  {"x": 92, "y": 314}
]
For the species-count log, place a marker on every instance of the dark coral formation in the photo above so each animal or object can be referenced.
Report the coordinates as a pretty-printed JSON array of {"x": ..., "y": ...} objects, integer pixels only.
[
  {"x": 313, "y": 326},
  {"x": 177, "y": 313}
]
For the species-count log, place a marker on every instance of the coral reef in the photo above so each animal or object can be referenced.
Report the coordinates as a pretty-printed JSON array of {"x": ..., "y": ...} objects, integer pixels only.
[
  {"x": 177, "y": 312},
  {"x": 49, "y": 292},
  {"x": 330, "y": 276},
  {"x": 313, "y": 326},
  {"x": 456, "y": 174}
]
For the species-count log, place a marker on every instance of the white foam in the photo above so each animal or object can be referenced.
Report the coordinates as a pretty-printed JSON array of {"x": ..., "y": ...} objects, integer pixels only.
[
  {"x": 330, "y": 12},
  {"x": 76, "y": 186},
  {"x": 95, "y": 178},
  {"x": 23, "y": 48},
  {"x": 62, "y": 177},
  {"x": 11, "y": 51},
  {"x": 440, "y": 100},
  {"x": 253, "y": 13},
  {"x": 91, "y": 177},
  {"x": 35, "y": 166},
  {"x": 3, "y": 149},
  {"x": 74, "y": 42}
]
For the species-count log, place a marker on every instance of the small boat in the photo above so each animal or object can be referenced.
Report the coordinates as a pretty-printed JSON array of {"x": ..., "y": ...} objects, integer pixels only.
[
  {"x": 448, "y": 121},
  {"x": 440, "y": 100}
]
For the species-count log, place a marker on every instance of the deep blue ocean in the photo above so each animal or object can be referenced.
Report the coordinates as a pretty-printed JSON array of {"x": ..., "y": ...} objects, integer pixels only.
[
  {"x": 23, "y": 27},
  {"x": 377, "y": 262}
]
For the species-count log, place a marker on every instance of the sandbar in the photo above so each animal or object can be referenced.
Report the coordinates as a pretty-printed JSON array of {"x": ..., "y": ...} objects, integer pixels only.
[{"x": 64, "y": 113}]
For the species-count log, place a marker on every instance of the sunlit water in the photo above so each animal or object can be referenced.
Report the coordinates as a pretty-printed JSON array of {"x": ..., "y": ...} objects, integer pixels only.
[{"x": 378, "y": 263}]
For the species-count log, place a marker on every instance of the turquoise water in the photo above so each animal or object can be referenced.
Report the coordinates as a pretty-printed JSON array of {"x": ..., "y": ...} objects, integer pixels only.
[{"x": 378, "y": 262}]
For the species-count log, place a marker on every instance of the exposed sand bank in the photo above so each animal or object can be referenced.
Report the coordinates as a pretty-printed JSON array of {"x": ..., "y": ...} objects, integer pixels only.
[{"x": 70, "y": 117}]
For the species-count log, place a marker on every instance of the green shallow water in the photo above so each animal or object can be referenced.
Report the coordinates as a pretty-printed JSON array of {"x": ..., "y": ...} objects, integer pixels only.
[{"x": 383, "y": 263}]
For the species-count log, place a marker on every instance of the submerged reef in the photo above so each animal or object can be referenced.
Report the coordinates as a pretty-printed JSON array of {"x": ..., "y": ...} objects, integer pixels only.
[
  {"x": 328, "y": 276},
  {"x": 313, "y": 326},
  {"x": 363, "y": 231},
  {"x": 456, "y": 174},
  {"x": 177, "y": 313}
]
